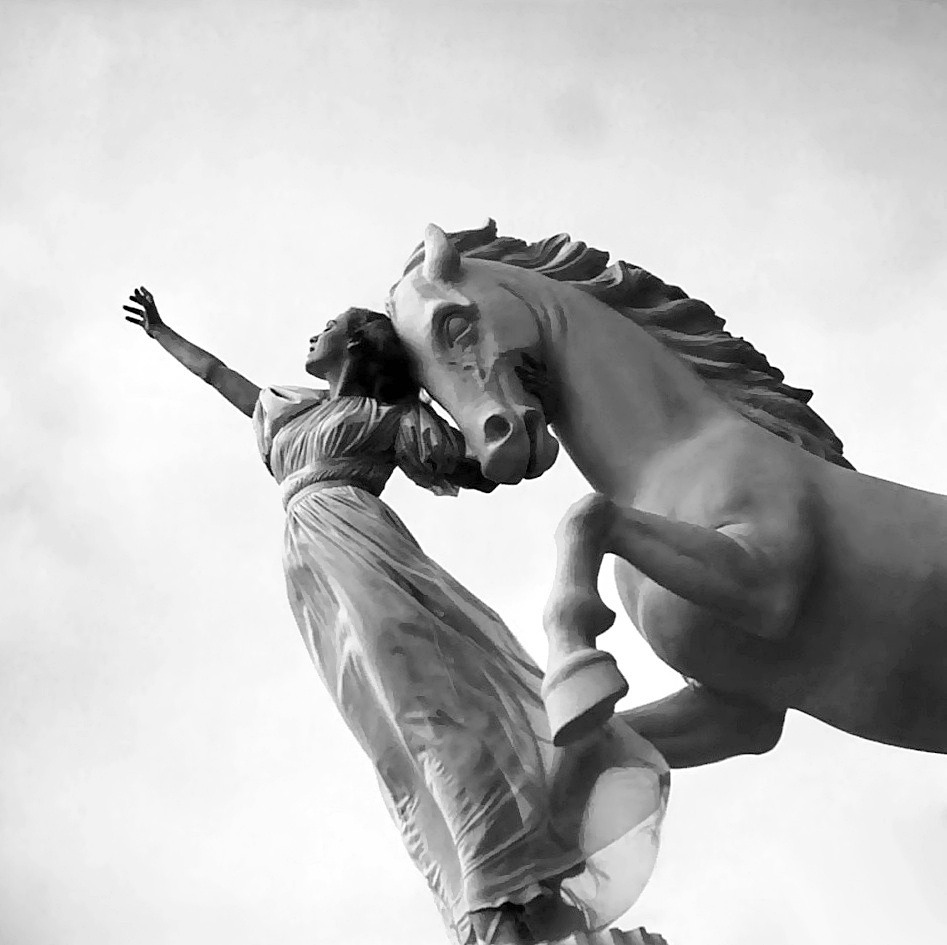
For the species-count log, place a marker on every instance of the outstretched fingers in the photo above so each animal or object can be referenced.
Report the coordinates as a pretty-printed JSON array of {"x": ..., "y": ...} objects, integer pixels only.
[
  {"x": 141, "y": 296},
  {"x": 144, "y": 311},
  {"x": 143, "y": 307},
  {"x": 139, "y": 313}
]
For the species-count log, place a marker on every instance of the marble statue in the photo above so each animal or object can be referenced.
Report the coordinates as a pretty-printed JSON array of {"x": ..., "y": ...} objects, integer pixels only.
[
  {"x": 749, "y": 553},
  {"x": 520, "y": 840}
]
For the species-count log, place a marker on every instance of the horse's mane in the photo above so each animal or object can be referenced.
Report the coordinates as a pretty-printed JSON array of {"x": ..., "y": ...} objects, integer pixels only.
[{"x": 735, "y": 370}]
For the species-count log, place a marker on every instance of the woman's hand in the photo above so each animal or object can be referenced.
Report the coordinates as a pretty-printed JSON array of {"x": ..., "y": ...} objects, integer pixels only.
[
  {"x": 147, "y": 316},
  {"x": 243, "y": 394}
]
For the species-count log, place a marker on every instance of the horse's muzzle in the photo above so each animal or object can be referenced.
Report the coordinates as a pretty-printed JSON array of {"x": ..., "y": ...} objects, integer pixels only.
[{"x": 516, "y": 446}]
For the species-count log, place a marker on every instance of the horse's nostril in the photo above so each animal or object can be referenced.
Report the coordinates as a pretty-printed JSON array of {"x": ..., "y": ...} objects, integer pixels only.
[{"x": 496, "y": 429}]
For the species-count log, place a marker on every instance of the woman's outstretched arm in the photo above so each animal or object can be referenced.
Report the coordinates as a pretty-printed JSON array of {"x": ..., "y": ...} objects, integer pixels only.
[{"x": 234, "y": 387}]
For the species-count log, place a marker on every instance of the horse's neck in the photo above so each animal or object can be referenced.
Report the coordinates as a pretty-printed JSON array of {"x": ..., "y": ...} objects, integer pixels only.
[{"x": 624, "y": 398}]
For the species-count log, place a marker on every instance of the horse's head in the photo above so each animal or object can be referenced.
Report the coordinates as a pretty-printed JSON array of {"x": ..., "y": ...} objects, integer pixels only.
[{"x": 472, "y": 333}]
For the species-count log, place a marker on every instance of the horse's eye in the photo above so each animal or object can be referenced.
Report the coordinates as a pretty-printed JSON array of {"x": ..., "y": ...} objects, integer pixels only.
[{"x": 456, "y": 328}]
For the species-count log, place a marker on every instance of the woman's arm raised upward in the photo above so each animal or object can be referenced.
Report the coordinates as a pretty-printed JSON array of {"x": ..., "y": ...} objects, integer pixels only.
[{"x": 234, "y": 387}]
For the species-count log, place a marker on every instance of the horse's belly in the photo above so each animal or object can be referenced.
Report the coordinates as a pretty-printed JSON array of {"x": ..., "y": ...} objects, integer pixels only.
[
  {"x": 912, "y": 711},
  {"x": 903, "y": 705},
  {"x": 883, "y": 674},
  {"x": 874, "y": 628},
  {"x": 885, "y": 680}
]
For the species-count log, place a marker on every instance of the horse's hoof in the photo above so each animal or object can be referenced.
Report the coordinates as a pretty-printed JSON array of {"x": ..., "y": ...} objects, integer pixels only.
[{"x": 580, "y": 692}]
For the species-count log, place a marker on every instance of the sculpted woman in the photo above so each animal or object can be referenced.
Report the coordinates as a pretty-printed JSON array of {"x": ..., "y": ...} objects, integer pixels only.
[{"x": 520, "y": 841}]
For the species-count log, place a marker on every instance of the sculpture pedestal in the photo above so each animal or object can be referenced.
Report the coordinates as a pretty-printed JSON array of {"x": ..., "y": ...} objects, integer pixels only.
[{"x": 612, "y": 937}]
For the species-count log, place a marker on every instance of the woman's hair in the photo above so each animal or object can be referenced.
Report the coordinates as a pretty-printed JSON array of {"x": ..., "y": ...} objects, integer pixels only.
[{"x": 378, "y": 363}]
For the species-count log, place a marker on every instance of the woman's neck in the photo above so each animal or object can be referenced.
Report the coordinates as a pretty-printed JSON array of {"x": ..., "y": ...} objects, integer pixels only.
[{"x": 344, "y": 382}]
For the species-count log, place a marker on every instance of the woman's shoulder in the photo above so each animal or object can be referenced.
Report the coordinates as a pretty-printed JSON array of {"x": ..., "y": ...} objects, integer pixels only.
[
  {"x": 281, "y": 402},
  {"x": 277, "y": 405},
  {"x": 291, "y": 395}
]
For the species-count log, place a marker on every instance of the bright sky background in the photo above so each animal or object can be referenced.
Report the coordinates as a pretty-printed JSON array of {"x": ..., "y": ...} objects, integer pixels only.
[{"x": 172, "y": 770}]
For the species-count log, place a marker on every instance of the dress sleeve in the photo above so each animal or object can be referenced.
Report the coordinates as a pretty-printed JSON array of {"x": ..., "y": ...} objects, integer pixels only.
[
  {"x": 428, "y": 449},
  {"x": 275, "y": 407}
]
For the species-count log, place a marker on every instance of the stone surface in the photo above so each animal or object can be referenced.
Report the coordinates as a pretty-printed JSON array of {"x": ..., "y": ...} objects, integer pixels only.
[{"x": 638, "y": 936}]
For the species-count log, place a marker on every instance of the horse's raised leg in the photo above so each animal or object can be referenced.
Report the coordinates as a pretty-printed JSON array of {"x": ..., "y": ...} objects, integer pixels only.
[
  {"x": 697, "y": 726},
  {"x": 716, "y": 569},
  {"x": 582, "y": 684}
]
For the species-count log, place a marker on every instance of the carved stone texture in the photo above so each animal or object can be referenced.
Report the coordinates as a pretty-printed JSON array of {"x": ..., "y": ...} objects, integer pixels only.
[{"x": 638, "y": 936}]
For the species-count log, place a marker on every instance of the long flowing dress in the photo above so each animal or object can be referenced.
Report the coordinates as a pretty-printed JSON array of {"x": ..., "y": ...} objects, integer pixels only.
[{"x": 439, "y": 693}]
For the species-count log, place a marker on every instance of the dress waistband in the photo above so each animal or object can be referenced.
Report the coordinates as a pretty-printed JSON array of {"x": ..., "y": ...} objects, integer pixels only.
[{"x": 298, "y": 490}]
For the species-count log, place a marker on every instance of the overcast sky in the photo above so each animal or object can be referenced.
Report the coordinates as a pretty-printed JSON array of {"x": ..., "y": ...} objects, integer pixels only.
[{"x": 172, "y": 770}]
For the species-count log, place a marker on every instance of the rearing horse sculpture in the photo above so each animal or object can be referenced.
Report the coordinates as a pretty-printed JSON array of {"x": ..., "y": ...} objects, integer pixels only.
[{"x": 750, "y": 555}]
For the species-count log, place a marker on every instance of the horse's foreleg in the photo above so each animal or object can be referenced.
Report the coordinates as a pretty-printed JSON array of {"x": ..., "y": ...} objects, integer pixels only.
[
  {"x": 582, "y": 684},
  {"x": 716, "y": 569},
  {"x": 698, "y": 727}
]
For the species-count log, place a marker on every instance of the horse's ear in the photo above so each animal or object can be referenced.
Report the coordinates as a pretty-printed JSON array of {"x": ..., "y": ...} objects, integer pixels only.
[{"x": 441, "y": 259}]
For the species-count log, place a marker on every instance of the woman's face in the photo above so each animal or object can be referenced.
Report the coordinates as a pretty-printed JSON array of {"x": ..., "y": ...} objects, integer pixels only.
[{"x": 327, "y": 349}]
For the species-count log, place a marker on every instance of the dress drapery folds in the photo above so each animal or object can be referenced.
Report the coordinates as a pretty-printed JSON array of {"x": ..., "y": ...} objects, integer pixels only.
[{"x": 439, "y": 693}]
